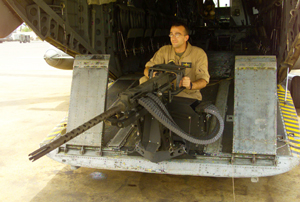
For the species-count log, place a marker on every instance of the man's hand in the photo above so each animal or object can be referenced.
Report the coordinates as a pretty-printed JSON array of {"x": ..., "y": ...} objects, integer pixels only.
[
  {"x": 185, "y": 82},
  {"x": 155, "y": 73}
]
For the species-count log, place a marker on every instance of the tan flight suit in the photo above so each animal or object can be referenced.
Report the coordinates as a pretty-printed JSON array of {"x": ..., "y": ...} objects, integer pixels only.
[{"x": 194, "y": 59}]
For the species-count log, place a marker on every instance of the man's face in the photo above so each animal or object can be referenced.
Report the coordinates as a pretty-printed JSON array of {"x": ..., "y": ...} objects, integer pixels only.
[{"x": 179, "y": 41}]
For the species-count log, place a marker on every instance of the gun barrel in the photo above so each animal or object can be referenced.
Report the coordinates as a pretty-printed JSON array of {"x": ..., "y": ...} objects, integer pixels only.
[{"x": 74, "y": 133}]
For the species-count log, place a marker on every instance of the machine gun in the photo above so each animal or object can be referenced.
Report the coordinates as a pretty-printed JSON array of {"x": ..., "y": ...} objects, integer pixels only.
[{"x": 145, "y": 105}]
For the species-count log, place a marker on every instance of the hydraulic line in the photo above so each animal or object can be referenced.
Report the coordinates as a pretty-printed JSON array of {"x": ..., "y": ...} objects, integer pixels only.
[{"x": 163, "y": 117}]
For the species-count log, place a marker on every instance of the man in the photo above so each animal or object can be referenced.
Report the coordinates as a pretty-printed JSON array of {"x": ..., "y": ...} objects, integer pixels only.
[{"x": 181, "y": 52}]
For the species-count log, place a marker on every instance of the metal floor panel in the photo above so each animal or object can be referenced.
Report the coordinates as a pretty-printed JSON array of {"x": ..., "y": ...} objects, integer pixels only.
[
  {"x": 221, "y": 104},
  {"x": 221, "y": 64}
]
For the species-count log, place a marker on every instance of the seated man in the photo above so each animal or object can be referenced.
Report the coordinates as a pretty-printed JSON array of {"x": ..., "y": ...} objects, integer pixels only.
[{"x": 181, "y": 52}]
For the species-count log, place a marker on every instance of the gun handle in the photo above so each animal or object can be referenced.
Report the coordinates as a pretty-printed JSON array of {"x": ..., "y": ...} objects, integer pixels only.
[{"x": 178, "y": 91}]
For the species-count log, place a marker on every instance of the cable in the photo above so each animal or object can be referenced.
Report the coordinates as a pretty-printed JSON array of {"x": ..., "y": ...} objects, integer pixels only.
[{"x": 151, "y": 106}]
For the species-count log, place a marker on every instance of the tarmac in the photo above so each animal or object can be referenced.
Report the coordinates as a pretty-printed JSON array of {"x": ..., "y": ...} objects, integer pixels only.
[{"x": 35, "y": 97}]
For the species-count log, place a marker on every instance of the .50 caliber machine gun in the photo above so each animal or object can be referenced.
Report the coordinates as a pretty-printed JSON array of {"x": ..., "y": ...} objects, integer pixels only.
[{"x": 151, "y": 109}]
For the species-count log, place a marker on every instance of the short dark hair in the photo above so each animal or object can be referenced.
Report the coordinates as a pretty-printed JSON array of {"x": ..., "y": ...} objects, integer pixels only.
[{"x": 179, "y": 23}]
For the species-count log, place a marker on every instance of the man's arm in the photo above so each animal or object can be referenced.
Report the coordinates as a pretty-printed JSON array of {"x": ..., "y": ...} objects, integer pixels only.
[
  {"x": 199, "y": 84},
  {"x": 196, "y": 85},
  {"x": 201, "y": 72},
  {"x": 146, "y": 71}
]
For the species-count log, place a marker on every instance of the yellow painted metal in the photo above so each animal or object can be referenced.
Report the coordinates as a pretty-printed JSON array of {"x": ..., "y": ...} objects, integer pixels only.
[
  {"x": 290, "y": 119},
  {"x": 57, "y": 130}
]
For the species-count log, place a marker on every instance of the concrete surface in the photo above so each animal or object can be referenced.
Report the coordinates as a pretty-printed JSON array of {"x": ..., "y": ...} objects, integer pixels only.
[{"x": 35, "y": 97}]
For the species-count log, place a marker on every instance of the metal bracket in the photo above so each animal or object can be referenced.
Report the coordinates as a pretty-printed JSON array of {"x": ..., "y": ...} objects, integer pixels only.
[
  {"x": 64, "y": 149},
  {"x": 229, "y": 118},
  {"x": 253, "y": 160},
  {"x": 99, "y": 152},
  {"x": 232, "y": 159},
  {"x": 160, "y": 155},
  {"x": 82, "y": 150}
]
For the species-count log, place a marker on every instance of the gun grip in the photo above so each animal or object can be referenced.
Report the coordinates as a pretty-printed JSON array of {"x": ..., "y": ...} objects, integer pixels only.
[{"x": 178, "y": 91}]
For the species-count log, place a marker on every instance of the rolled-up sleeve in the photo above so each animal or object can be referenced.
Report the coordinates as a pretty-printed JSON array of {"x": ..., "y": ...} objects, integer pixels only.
[{"x": 202, "y": 67}]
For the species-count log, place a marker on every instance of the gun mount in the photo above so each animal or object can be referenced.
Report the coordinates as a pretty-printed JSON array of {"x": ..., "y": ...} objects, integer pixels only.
[{"x": 146, "y": 106}]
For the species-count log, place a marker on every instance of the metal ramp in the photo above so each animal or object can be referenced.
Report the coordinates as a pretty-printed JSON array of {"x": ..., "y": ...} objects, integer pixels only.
[
  {"x": 255, "y": 106},
  {"x": 88, "y": 97}
]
